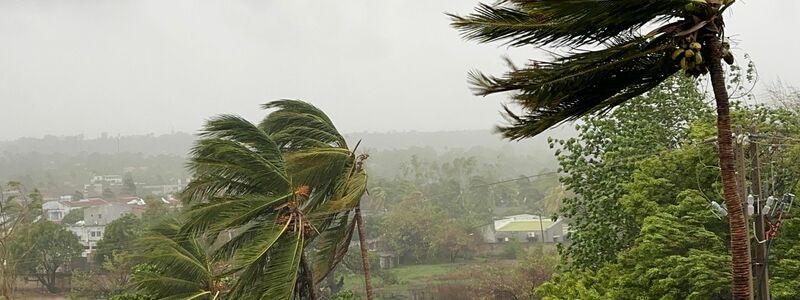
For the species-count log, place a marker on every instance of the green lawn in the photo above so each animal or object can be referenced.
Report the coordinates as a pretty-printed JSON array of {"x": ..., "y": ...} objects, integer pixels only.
[{"x": 407, "y": 276}]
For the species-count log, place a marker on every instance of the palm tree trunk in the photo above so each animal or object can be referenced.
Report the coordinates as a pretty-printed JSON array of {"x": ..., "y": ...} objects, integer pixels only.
[
  {"x": 740, "y": 246},
  {"x": 364, "y": 256}
]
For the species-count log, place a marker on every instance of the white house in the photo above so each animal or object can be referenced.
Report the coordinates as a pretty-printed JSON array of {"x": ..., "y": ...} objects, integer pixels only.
[
  {"x": 88, "y": 235},
  {"x": 526, "y": 228},
  {"x": 55, "y": 210}
]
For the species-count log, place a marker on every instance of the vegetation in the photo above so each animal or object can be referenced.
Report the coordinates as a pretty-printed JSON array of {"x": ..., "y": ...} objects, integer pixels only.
[
  {"x": 271, "y": 189},
  {"x": 46, "y": 248},
  {"x": 178, "y": 267},
  {"x": 690, "y": 36},
  {"x": 118, "y": 236}
]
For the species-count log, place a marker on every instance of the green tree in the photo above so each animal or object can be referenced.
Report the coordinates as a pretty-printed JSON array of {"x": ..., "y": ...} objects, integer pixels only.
[
  {"x": 77, "y": 195},
  {"x": 627, "y": 63},
  {"x": 118, "y": 236},
  {"x": 268, "y": 190},
  {"x": 108, "y": 193},
  {"x": 178, "y": 267},
  {"x": 46, "y": 249},
  {"x": 602, "y": 158},
  {"x": 73, "y": 216},
  {"x": 19, "y": 211},
  {"x": 128, "y": 185}
]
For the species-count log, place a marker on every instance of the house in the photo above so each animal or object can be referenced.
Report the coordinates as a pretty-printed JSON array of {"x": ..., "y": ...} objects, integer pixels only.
[
  {"x": 387, "y": 258},
  {"x": 88, "y": 235},
  {"x": 525, "y": 228},
  {"x": 56, "y": 210},
  {"x": 113, "y": 209}
]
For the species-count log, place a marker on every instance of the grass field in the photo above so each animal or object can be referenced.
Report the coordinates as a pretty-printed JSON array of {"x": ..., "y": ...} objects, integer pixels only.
[{"x": 407, "y": 278}]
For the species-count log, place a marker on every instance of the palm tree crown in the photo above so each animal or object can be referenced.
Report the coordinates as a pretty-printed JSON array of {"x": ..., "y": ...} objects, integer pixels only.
[
  {"x": 271, "y": 190},
  {"x": 624, "y": 64}
]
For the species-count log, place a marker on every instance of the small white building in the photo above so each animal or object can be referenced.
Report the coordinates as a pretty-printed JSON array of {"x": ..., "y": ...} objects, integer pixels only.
[
  {"x": 89, "y": 235},
  {"x": 526, "y": 228},
  {"x": 55, "y": 210}
]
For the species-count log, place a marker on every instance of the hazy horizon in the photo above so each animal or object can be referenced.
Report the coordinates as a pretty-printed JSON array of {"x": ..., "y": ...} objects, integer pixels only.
[{"x": 132, "y": 67}]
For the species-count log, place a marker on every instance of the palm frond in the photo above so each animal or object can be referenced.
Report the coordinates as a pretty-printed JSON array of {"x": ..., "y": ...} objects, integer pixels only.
[
  {"x": 177, "y": 264},
  {"x": 224, "y": 213},
  {"x": 321, "y": 169},
  {"x": 331, "y": 245},
  {"x": 349, "y": 194},
  {"x": 583, "y": 83},
  {"x": 281, "y": 268},
  {"x": 236, "y": 157},
  {"x": 259, "y": 246},
  {"x": 562, "y": 22},
  {"x": 299, "y": 125}
]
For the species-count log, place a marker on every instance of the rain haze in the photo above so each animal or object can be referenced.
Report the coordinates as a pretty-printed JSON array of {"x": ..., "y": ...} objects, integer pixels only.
[{"x": 146, "y": 66}]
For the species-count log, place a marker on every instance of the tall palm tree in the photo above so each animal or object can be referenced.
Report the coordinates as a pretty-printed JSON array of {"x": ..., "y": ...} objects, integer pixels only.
[
  {"x": 177, "y": 266},
  {"x": 271, "y": 190},
  {"x": 619, "y": 62},
  {"x": 299, "y": 127}
]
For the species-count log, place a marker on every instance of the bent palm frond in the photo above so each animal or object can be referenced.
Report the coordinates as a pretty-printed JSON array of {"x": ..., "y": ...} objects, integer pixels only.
[{"x": 562, "y": 22}]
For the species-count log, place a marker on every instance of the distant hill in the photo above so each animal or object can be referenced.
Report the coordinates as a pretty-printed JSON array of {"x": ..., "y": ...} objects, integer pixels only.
[
  {"x": 444, "y": 140},
  {"x": 62, "y": 164},
  {"x": 166, "y": 144},
  {"x": 179, "y": 143}
]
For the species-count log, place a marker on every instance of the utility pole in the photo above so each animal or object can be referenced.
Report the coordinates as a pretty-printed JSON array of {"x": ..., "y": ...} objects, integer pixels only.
[
  {"x": 760, "y": 261},
  {"x": 541, "y": 226}
]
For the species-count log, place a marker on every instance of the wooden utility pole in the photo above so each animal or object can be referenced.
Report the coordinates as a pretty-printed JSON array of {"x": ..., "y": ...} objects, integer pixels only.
[{"x": 760, "y": 262}]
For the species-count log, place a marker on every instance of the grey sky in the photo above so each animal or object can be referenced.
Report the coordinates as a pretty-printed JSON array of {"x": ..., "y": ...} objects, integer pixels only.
[{"x": 142, "y": 66}]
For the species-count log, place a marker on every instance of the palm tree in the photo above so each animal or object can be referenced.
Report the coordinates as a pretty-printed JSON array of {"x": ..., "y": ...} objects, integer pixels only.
[
  {"x": 177, "y": 266},
  {"x": 623, "y": 62},
  {"x": 299, "y": 127},
  {"x": 271, "y": 190}
]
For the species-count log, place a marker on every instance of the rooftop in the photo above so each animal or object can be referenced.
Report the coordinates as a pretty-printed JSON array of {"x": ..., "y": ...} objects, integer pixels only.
[{"x": 524, "y": 225}]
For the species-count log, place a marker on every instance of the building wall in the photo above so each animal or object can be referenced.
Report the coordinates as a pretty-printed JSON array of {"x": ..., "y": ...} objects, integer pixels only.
[
  {"x": 102, "y": 215},
  {"x": 55, "y": 210},
  {"x": 88, "y": 236}
]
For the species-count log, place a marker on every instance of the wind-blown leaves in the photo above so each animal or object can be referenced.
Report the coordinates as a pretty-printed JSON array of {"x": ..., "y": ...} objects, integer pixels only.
[
  {"x": 562, "y": 22},
  {"x": 235, "y": 157},
  {"x": 178, "y": 266},
  {"x": 262, "y": 193},
  {"x": 299, "y": 125},
  {"x": 625, "y": 64},
  {"x": 583, "y": 83}
]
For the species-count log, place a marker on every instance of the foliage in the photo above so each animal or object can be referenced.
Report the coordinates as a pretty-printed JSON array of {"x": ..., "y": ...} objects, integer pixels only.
[
  {"x": 20, "y": 210},
  {"x": 118, "y": 236},
  {"x": 422, "y": 233},
  {"x": 111, "y": 280},
  {"x": 674, "y": 257},
  {"x": 45, "y": 250},
  {"x": 678, "y": 249},
  {"x": 344, "y": 295},
  {"x": 178, "y": 266},
  {"x": 598, "y": 162},
  {"x": 609, "y": 61},
  {"x": 626, "y": 64},
  {"x": 108, "y": 193},
  {"x": 516, "y": 281},
  {"x": 128, "y": 185},
  {"x": 73, "y": 216},
  {"x": 267, "y": 191}
]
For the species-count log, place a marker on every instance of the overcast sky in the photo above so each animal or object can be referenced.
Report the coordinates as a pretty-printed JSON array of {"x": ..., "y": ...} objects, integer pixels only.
[{"x": 155, "y": 66}]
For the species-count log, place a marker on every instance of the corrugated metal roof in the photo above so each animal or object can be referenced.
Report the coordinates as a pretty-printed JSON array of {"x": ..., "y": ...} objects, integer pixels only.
[{"x": 525, "y": 225}]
